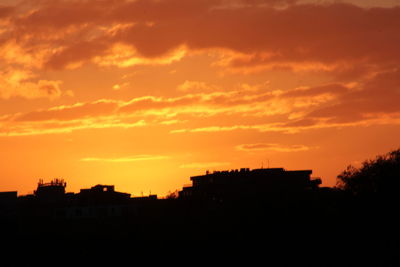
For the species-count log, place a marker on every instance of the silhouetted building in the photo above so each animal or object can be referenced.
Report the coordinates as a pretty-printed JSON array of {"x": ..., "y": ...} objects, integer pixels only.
[
  {"x": 99, "y": 201},
  {"x": 52, "y": 191},
  {"x": 8, "y": 214},
  {"x": 246, "y": 182},
  {"x": 102, "y": 194},
  {"x": 8, "y": 204},
  {"x": 8, "y": 197},
  {"x": 238, "y": 200},
  {"x": 144, "y": 198}
]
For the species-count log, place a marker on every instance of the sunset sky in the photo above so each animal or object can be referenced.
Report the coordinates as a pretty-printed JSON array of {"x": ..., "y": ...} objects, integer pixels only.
[{"x": 144, "y": 94}]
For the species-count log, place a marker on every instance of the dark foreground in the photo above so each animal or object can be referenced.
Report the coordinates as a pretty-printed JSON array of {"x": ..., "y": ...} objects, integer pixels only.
[{"x": 321, "y": 216}]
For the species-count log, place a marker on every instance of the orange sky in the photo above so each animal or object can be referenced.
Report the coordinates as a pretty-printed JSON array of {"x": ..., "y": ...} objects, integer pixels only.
[{"x": 143, "y": 94}]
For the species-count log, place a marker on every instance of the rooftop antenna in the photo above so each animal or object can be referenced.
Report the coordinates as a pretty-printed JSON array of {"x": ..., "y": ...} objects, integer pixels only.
[
  {"x": 262, "y": 165},
  {"x": 268, "y": 163}
]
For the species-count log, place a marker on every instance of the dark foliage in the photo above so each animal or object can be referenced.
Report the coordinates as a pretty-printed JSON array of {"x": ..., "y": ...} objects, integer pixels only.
[
  {"x": 378, "y": 176},
  {"x": 172, "y": 195}
]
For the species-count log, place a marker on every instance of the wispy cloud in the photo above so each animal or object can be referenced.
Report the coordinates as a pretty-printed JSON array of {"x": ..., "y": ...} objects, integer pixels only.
[
  {"x": 197, "y": 86},
  {"x": 27, "y": 129},
  {"x": 297, "y": 126},
  {"x": 109, "y": 113},
  {"x": 20, "y": 83},
  {"x": 126, "y": 159},
  {"x": 203, "y": 165},
  {"x": 272, "y": 147},
  {"x": 335, "y": 105}
]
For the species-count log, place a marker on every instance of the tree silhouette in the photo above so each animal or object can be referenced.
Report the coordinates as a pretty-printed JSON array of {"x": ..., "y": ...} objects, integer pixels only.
[
  {"x": 378, "y": 176},
  {"x": 172, "y": 195}
]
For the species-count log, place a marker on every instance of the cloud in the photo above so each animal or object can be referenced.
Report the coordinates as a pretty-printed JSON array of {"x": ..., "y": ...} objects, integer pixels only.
[
  {"x": 152, "y": 103},
  {"x": 117, "y": 87},
  {"x": 171, "y": 122},
  {"x": 197, "y": 86},
  {"x": 18, "y": 83},
  {"x": 122, "y": 55},
  {"x": 75, "y": 54},
  {"x": 271, "y": 147},
  {"x": 126, "y": 159},
  {"x": 5, "y": 11},
  {"x": 203, "y": 165},
  {"x": 329, "y": 89},
  {"x": 377, "y": 96},
  {"x": 107, "y": 113},
  {"x": 295, "y": 127},
  {"x": 27, "y": 129},
  {"x": 271, "y": 34},
  {"x": 102, "y": 107},
  {"x": 361, "y": 3},
  {"x": 373, "y": 101},
  {"x": 215, "y": 129}
]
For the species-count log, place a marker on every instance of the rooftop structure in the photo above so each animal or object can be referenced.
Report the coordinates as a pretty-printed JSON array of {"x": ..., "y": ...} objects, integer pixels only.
[
  {"x": 102, "y": 194},
  {"x": 54, "y": 190}
]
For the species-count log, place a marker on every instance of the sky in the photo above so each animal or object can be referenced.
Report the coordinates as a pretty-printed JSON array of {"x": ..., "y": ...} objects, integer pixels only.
[{"x": 144, "y": 94}]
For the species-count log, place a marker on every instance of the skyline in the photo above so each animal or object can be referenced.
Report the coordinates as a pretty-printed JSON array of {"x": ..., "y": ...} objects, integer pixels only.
[{"x": 143, "y": 94}]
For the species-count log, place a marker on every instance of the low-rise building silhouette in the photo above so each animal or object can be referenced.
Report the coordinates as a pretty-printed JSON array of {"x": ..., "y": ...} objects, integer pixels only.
[
  {"x": 52, "y": 191},
  {"x": 8, "y": 205},
  {"x": 100, "y": 201},
  {"x": 246, "y": 182},
  {"x": 51, "y": 201},
  {"x": 102, "y": 194},
  {"x": 222, "y": 196}
]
